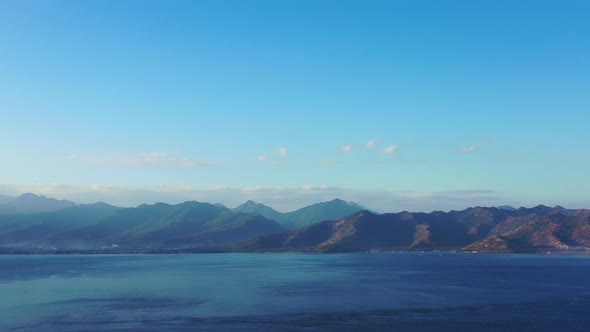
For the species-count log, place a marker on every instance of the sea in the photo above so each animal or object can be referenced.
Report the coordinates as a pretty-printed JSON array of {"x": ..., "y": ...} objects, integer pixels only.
[{"x": 433, "y": 291}]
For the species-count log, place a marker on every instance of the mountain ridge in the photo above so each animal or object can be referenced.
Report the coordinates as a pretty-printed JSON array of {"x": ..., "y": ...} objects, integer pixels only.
[
  {"x": 30, "y": 203},
  {"x": 158, "y": 225},
  {"x": 333, "y": 209},
  {"x": 480, "y": 229},
  {"x": 193, "y": 224}
]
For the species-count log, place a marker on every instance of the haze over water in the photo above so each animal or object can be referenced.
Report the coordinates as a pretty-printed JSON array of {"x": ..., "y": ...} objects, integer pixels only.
[{"x": 383, "y": 291}]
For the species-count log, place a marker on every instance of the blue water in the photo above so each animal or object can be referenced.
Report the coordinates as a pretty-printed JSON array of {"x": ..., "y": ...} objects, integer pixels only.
[{"x": 295, "y": 292}]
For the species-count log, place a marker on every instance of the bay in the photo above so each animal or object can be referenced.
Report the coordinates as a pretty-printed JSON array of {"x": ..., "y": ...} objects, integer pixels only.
[{"x": 295, "y": 292}]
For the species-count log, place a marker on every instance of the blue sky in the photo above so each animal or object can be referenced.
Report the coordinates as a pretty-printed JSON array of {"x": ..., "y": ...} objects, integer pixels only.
[{"x": 465, "y": 102}]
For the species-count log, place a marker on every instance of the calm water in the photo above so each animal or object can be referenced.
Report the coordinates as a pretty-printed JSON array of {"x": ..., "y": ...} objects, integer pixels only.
[{"x": 295, "y": 292}]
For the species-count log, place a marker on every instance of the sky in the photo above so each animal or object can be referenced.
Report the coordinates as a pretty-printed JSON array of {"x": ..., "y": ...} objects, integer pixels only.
[{"x": 397, "y": 105}]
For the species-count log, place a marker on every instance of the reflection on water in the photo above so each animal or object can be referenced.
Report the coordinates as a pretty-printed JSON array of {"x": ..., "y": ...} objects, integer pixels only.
[{"x": 220, "y": 292}]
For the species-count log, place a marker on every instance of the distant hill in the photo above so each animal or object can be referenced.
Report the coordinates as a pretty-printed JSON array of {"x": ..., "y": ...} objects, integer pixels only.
[
  {"x": 31, "y": 203},
  {"x": 29, "y": 230},
  {"x": 190, "y": 224},
  {"x": 473, "y": 229},
  {"x": 305, "y": 216}
]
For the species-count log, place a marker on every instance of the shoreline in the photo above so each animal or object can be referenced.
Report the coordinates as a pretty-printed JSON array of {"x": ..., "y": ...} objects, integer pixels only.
[{"x": 89, "y": 252}]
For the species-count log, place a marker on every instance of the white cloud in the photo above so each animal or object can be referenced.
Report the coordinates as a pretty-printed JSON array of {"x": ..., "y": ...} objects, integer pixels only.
[
  {"x": 471, "y": 148},
  {"x": 390, "y": 149},
  {"x": 262, "y": 158},
  {"x": 141, "y": 160},
  {"x": 370, "y": 144},
  {"x": 346, "y": 148},
  {"x": 282, "y": 151}
]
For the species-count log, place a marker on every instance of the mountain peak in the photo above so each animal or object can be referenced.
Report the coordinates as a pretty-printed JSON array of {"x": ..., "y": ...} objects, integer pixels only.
[
  {"x": 258, "y": 208},
  {"x": 250, "y": 204},
  {"x": 99, "y": 205},
  {"x": 339, "y": 201},
  {"x": 29, "y": 196},
  {"x": 543, "y": 209}
]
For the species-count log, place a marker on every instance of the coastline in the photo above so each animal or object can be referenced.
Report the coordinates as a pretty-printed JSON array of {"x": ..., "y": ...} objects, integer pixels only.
[{"x": 222, "y": 250}]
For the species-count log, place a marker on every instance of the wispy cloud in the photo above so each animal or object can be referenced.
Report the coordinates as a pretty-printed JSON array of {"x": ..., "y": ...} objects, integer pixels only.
[
  {"x": 282, "y": 151},
  {"x": 141, "y": 160},
  {"x": 346, "y": 148},
  {"x": 370, "y": 144},
  {"x": 390, "y": 149},
  {"x": 472, "y": 148},
  {"x": 262, "y": 158}
]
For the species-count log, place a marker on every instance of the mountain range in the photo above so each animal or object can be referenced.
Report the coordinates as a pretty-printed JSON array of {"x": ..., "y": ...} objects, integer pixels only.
[
  {"x": 334, "y": 226},
  {"x": 160, "y": 225},
  {"x": 478, "y": 229}
]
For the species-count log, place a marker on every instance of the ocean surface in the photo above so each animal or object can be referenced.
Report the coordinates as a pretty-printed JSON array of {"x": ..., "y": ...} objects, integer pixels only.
[{"x": 295, "y": 292}]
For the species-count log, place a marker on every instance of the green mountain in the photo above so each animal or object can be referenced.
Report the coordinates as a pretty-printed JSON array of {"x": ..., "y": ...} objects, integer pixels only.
[
  {"x": 31, "y": 229},
  {"x": 190, "y": 224}
]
